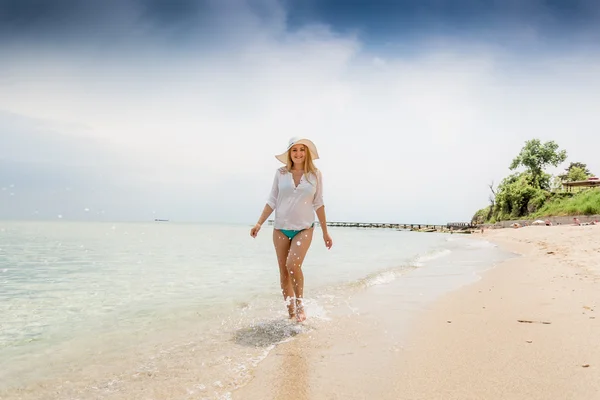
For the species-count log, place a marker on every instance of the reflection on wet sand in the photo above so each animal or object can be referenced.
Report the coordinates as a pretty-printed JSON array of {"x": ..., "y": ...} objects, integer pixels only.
[
  {"x": 287, "y": 368},
  {"x": 291, "y": 381}
]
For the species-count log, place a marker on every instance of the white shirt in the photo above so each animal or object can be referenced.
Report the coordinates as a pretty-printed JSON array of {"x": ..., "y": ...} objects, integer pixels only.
[{"x": 295, "y": 206}]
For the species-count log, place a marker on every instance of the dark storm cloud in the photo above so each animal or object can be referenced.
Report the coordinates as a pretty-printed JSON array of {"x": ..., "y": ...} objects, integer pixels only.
[
  {"x": 61, "y": 14},
  {"x": 120, "y": 22},
  {"x": 21, "y": 17},
  {"x": 456, "y": 12},
  {"x": 181, "y": 22},
  {"x": 109, "y": 23},
  {"x": 491, "y": 20}
]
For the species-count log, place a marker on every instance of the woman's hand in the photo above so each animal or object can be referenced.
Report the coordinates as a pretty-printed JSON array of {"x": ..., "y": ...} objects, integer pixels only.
[
  {"x": 327, "y": 239},
  {"x": 254, "y": 230}
]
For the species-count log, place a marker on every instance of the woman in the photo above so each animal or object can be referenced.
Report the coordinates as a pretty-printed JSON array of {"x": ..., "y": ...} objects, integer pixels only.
[{"x": 296, "y": 195}]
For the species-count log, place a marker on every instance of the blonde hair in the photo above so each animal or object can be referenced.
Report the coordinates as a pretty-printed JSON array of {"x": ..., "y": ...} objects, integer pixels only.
[{"x": 309, "y": 167}]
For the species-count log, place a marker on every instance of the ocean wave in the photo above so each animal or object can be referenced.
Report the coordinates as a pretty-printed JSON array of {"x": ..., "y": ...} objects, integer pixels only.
[
  {"x": 388, "y": 275},
  {"x": 383, "y": 277},
  {"x": 432, "y": 255}
]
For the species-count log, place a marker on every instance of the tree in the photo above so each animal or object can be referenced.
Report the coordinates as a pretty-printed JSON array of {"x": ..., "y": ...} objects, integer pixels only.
[
  {"x": 577, "y": 174},
  {"x": 535, "y": 156},
  {"x": 492, "y": 199},
  {"x": 576, "y": 171},
  {"x": 516, "y": 196}
]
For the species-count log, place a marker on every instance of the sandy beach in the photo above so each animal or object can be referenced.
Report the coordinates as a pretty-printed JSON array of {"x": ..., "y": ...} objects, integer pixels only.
[{"x": 528, "y": 329}]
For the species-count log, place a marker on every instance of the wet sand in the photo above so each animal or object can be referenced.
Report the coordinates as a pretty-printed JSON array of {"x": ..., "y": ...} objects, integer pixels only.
[{"x": 527, "y": 330}]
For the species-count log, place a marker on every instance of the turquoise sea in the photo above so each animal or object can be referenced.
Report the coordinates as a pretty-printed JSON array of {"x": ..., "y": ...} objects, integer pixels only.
[{"x": 137, "y": 310}]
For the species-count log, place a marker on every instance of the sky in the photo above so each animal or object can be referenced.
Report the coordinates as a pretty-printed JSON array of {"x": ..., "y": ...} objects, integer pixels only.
[{"x": 130, "y": 110}]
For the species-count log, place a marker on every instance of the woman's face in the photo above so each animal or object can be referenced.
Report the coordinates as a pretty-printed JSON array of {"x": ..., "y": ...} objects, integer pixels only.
[{"x": 298, "y": 154}]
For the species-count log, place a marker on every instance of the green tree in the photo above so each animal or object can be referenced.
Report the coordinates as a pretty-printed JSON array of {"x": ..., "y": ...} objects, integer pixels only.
[
  {"x": 577, "y": 174},
  {"x": 576, "y": 171},
  {"x": 516, "y": 196},
  {"x": 535, "y": 156}
]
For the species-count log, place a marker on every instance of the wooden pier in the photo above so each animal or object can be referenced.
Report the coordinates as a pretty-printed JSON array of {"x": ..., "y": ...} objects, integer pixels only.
[{"x": 451, "y": 226}]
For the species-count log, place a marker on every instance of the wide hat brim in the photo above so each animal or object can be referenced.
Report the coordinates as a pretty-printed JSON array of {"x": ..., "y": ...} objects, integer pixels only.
[{"x": 283, "y": 157}]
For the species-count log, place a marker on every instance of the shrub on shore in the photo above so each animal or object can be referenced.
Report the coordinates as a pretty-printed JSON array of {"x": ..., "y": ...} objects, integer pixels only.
[
  {"x": 533, "y": 193},
  {"x": 586, "y": 202}
]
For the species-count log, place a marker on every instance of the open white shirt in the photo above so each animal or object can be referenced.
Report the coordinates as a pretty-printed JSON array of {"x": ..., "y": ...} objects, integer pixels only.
[{"x": 295, "y": 206}]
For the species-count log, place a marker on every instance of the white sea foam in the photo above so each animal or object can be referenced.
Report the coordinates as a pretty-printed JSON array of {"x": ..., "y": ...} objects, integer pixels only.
[
  {"x": 380, "y": 278},
  {"x": 383, "y": 277},
  {"x": 433, "y": 255}
]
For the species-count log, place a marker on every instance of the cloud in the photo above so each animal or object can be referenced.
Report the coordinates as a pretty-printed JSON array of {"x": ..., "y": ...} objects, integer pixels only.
[
  {"x": 191, "y": 133},
  {"x": 192, "y": 24},
  {"x": 47, "y": 170},
  {"x": 103, "y": 27}
]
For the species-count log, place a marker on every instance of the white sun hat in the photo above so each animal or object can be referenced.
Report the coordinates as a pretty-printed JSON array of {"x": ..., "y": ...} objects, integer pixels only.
[{"x": 297, "y": 140}]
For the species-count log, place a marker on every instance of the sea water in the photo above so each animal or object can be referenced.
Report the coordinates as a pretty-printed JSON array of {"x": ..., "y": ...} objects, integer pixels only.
[{"x": 150, "y": 310}]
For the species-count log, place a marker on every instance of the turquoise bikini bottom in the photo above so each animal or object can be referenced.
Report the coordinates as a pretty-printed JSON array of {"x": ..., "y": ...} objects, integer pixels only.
[{"x": 291, "y": 233}]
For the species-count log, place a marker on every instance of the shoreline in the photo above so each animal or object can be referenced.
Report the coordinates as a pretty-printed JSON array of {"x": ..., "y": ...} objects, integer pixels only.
[
  {"x": 468, "y": 343},
  {"x": 367, "y": 335},
  {"x": 526, "y": 330}
]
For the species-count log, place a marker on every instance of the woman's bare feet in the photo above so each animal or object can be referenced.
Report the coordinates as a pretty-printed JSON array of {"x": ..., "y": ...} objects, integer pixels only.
[
  {"x": 300, "y": 314},
  {"x": 291, "y": 309}
]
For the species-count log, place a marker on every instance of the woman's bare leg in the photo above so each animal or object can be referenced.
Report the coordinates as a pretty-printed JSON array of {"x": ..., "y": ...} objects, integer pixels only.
[
  {"x": 282, "y": 247},
  {"x": 298, "y": 249}
]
